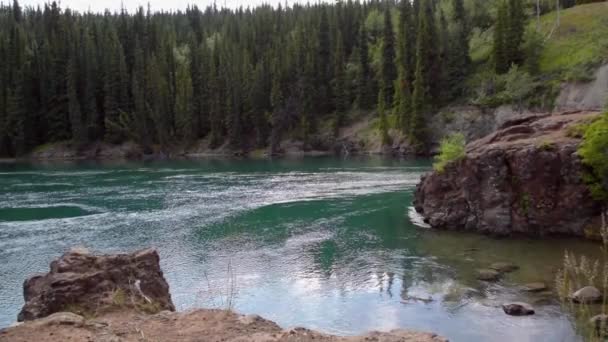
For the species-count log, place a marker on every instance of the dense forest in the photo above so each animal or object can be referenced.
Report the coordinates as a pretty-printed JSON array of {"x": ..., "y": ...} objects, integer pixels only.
[{"x": 246, "y": 77}]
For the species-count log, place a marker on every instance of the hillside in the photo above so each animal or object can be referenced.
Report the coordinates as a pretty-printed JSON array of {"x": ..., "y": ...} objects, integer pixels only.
[{"x": 580, "y": 41}]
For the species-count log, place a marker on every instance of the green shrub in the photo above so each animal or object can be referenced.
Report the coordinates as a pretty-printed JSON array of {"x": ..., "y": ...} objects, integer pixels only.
[
  {"x": 594, "y": 153},
  {"x": 452, "y": 149}
]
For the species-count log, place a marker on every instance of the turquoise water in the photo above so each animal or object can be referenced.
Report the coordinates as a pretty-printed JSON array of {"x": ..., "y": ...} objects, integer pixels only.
[{"x": 324, "y": 243}]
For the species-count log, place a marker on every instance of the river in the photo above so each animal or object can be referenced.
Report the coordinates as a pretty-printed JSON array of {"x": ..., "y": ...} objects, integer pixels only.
[{"x": 325, "y": 243}]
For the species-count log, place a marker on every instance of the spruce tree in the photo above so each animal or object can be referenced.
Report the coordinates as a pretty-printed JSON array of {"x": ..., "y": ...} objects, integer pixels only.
[
  {"x": 458, "y": 44},
  {"x": 421, "y": 93},
  {"x": 514, "y": 35},
  {"x": 324, "y": 65},
  {"x": 388, "y": 71},
  {"x": 364, "y": 80},
  {"x": 77, "y": 121},
  {"x": 405, "y": 59},
  {"x": 499, "y": 49},
  {"x": 339, "y": 85}
]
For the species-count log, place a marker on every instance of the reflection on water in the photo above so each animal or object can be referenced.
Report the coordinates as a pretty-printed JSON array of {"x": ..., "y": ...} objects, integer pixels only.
[{"x": 323, "y": 243}]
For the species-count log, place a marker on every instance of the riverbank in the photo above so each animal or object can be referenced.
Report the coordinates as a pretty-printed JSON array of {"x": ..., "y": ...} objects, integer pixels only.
[
  {"x": 196, "y": 325},
  {"x": 124, "y": 297}
]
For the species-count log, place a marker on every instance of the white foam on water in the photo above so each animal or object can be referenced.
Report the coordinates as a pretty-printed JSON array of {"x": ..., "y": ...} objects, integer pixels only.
[{"x": 416, "y": 218}]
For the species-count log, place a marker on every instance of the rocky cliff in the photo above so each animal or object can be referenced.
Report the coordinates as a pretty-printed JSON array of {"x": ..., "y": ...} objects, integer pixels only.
[
  {"x": 124, "y": 298},
  {"x": 524, "y": 178}
]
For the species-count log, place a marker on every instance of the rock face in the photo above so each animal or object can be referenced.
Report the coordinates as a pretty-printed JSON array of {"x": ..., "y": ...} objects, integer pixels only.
[
  {"x": 525, "y": 178},
  {"x": 79, "y": 281},
  {"x": 585, "y": 96}
]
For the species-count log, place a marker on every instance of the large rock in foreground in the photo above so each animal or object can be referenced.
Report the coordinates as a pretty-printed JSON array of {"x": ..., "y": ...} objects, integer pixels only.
[
  {"x": 85, "y": 283},
  {"x": 525, "y": 178}
]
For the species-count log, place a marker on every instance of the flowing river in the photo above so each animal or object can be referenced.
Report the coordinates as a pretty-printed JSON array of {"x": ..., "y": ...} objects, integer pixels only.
[{"x": 324, "y": 243}]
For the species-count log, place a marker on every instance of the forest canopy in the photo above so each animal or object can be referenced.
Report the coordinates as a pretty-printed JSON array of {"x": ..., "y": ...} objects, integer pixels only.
[{"x": 244, "y": 77}]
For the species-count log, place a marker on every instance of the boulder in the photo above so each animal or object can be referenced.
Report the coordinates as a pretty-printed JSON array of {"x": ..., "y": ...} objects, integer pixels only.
[
  {"x": 587, "y": 294},
  {"x": 504, "y": 267},
  {"x": 526, "y": 178},
  {"x": 84, "y": 283},
  {"x": 518, "y": 309},
  {"x": 488, "y": 275}
]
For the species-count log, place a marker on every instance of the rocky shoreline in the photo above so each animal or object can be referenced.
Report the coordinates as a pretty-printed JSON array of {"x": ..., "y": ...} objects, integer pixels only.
[
  {"x": 525, "y": 178},
  {"x": 124, "y": 297}
]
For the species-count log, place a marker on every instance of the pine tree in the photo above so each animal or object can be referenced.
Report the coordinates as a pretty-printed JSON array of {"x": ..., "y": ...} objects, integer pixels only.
[
  {"x": 324, "y": 66},
  {"x": 339, "y": 84},
  {"x": 383, "y": 124},
  {"x": 260, "y": 102},
  {"x": 514, "y": 36},
  {"x": 499, "y": 49},
  {"x": 405, "y": 58},
  {"x": 93, "y": 118},
  {"x": 140, "y": 129},
  {"x": 388, "y": 71},
  {"x": 77, "y": 121},
  {"x": 421, "y": 92},
  {"x": 364, "y": 82},
  {"x": 459, "y": 57},
  {"x": 112, "y": 88},
  {"x": 185, "y": 117},
  {"x": 215, "y": 101}
]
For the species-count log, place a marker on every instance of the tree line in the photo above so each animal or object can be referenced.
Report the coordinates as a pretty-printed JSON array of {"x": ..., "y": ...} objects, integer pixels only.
[{"x": 246, "y": 77}]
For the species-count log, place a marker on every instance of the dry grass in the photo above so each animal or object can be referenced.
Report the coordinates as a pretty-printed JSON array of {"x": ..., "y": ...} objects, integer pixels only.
[{"x": 581, "y": 272}]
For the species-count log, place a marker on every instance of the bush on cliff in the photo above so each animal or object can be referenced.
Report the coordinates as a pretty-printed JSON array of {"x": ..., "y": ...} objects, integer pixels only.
[
  {"x": 452, "y": 149},
  {"x": 594, "y": 152}
]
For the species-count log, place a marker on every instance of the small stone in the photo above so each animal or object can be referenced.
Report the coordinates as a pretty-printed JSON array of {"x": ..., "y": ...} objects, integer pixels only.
[
  {"x": 250, "y": 319},
  {"x": 535, "y": 287},
  {"x": 587, "y": 294},
  {"x": 504, "y": 267},
  {"x": 488, "y": 275},
  {"x": 518, "y": 309}
]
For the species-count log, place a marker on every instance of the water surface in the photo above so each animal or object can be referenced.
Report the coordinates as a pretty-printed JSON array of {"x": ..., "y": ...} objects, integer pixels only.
[{"x": 324, "y": 243}]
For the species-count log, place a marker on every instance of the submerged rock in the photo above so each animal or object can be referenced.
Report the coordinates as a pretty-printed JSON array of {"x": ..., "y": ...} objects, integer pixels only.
[
  {"x": 488, "y": 274},
  {"x": 504, "y": 267},
  {"x": 518, "y": 309},
  {"x": 526, "y": 178},
  {"x": 84, "y": 283},
  {"x": 535, "y": 287},
  {"x": 587, "y": 294}
]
